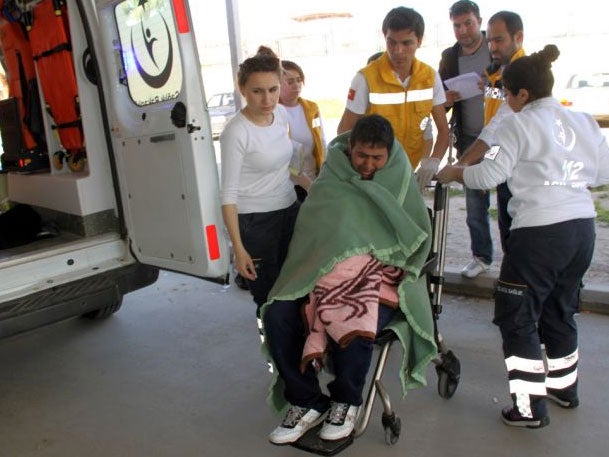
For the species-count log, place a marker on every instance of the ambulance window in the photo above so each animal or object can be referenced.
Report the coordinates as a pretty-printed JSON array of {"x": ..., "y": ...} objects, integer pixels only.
[{"x": 150, "y": 51}]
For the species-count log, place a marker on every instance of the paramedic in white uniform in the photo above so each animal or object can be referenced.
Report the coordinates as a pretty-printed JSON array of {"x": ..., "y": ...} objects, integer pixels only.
[{"x": 549, "y": 156}]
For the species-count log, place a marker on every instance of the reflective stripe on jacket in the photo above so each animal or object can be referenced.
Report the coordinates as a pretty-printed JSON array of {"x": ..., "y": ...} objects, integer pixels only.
[
  {"x": 311, "y": 111},
  {"x": 494, "y": 93}
]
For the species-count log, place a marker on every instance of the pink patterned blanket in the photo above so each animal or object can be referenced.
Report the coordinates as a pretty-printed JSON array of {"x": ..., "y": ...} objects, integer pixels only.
[{"x": 344, "y": 304}]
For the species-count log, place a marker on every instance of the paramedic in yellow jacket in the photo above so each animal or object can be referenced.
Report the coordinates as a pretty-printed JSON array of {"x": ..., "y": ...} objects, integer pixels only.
[
  {"x": 504, "y": 34},
  {"x": 306, "y": 129},
  {"x": 494, "y": 95},
  {"x": 405, "y": 90}
]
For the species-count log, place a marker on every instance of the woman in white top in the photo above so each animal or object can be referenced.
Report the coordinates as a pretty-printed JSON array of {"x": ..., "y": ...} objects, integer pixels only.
[
  {"x": 259, "y": 203},
  {"x": 549, "y": 156},
  {"x": 306, "y": 129}
]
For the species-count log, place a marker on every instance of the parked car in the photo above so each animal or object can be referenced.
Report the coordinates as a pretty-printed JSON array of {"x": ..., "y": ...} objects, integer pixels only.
[
  {"x": 588, "y": 92},
  {"x": 221, "y": 109}
]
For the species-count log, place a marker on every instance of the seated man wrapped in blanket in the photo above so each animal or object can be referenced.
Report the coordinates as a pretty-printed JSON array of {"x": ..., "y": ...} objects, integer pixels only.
[{"x": 353, "y": 268}]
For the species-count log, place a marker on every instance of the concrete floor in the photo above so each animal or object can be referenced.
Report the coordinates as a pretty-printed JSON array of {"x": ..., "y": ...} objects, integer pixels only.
[{"x": 177, "y": 372}]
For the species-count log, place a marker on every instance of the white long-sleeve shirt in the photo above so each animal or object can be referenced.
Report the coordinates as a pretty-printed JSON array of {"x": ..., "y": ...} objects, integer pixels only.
[
  {"x": 488, "y": 132},
  {"x": 548, "y": 156},
  {"x": 255, "y": 161},
  {"x": 302, "y": 140}
]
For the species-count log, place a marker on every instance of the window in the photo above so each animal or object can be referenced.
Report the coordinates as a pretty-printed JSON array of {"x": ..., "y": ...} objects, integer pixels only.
[{"x": 589, "y": 80}]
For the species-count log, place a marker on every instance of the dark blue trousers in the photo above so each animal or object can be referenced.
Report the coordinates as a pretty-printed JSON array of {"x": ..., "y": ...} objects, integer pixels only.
[
  {"x": 285, "y": 333},
  {"x": 538, "y": 293},
  {"x": 266, "y": 237},
  {"x": 504, "y": 220}
]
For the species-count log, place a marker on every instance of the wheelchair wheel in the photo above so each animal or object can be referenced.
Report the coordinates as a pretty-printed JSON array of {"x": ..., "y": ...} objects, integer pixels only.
[
  {"x": 446, "y": 386},
  {"x": 449, "y": 374},
  {"x": 393, "y": 426}
]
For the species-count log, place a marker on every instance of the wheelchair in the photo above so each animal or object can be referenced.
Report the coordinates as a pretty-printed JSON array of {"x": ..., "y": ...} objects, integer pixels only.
[{"x": 447, "y": 365}]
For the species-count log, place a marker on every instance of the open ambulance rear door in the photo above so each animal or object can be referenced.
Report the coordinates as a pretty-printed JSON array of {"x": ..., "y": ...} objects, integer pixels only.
[{"x": 160, "y": 133}]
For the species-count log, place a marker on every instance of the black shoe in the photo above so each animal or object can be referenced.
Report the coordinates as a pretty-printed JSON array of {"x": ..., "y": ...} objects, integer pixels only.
[
  {"x": 511, "y": 416},
  {"x": 48, "y": 230},
  {"x": 241, "y": 282},
  {"x": 563, "y": 403}
]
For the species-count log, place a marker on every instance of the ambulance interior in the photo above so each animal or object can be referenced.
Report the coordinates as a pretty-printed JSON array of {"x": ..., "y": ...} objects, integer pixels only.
[{"x": 54, "y": 156}]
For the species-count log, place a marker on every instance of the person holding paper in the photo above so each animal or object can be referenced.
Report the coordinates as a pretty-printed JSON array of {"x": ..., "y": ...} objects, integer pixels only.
[
  {"x": 466, "y": 85},
  {"x": 504, "y": 34},
  {"x": 469, "y": 55},
  {"x": 404, "y": 90}
]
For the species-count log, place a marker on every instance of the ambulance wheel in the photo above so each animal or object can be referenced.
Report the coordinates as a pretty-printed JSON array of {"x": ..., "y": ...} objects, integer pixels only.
[
  {"x": 58, "y": 160},
  {"x": 105, "y": 312},
  {"x": 393, "y": 426},
  {"x": 76, "y": 162}
]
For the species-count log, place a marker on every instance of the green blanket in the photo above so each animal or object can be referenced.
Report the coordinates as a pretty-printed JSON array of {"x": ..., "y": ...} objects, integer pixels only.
[{"x": 386, "y": 217}]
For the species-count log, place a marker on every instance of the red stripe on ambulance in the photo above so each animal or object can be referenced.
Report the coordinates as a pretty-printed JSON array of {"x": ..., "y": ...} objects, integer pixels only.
[
  {"x": 213, "y": 246},
  {"x": 181, "y": 17}
]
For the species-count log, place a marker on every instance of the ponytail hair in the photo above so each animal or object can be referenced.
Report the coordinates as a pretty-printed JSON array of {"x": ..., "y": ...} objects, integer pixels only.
[
  {"x": 533, "y": 73},
  {"x": 265, "y": 51},
  {"x": 265, "y": 61}
]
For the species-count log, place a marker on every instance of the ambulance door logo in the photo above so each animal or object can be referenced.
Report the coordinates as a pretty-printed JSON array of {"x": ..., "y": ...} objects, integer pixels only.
[
  {"x": 150, "y": 50},
  {"x": 159, "y": 79}
]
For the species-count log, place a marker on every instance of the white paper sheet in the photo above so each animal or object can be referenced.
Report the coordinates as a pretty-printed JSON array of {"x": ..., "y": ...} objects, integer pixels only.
[{"x": 466, "y": 84}]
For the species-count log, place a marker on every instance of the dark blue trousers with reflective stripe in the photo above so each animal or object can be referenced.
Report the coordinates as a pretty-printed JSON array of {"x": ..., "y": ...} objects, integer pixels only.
[{"x": 538, "y": 294}]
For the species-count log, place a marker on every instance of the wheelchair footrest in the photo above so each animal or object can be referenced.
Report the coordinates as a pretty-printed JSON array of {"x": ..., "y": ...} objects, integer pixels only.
[{"x": 311, "y": 442}]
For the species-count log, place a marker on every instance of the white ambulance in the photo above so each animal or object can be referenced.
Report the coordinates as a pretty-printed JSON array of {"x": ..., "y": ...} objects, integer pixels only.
[{"x": 119, "y": 158}]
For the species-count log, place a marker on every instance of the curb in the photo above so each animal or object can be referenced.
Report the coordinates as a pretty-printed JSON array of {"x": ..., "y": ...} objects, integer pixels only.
[{"x": 594, "y": 297}]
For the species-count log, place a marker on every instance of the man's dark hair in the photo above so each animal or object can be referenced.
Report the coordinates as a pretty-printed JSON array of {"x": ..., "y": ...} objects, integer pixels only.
[
  {"x": 372, "y": 130},
  {"x": 513, "y": 22},
  {"x": 374, "y": 56},
  {"x": 464, "y": 7},
  {"x": 402, "y": 18}
]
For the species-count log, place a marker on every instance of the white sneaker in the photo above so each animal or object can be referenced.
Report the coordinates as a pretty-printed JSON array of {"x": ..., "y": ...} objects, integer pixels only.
[
  {"x": 474, "y": 268},
  {"x": 295, "y": 424},
  {"x": 339, "y": 422}
]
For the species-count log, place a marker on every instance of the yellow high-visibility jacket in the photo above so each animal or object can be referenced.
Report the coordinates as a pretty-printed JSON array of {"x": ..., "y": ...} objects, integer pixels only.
[{"x": 408, "y": 109}]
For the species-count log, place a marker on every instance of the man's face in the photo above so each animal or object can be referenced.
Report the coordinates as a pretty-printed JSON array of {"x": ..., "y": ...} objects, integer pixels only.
[
  {"x": 467, "y": 29},
  {"x": 367, "y": 158},
  {"x": 401, "y": 47},
  {"x": 500, "y": 43}
]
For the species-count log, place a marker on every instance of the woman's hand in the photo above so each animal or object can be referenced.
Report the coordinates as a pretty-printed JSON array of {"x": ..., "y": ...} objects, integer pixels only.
[
  {"x": 245, "y": 265},
  {"x": 302, "y": 180},
  {"x": 242, "y": 262},
  {"x": 450, "y": 173}
]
